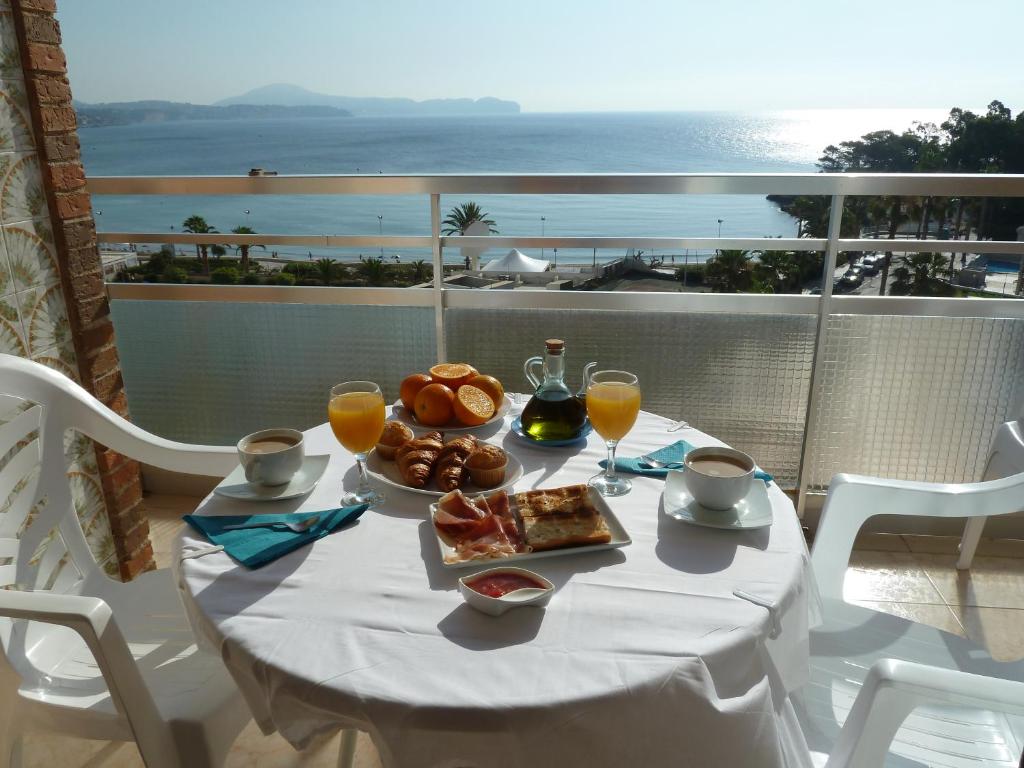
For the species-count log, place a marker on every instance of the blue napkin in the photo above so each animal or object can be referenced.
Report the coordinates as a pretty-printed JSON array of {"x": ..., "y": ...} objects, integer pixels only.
[
  {"x": 255, "y": 547},
  {"x": 670, "y": 453}
]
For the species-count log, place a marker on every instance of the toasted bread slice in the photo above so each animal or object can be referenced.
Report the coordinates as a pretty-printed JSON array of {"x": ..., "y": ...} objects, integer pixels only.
[
  {"x": 560, "y": 530},
  {"x": 569, "y": 500}
]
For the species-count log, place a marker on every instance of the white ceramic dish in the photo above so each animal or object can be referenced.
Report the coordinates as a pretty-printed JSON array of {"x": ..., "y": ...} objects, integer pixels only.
[
  {"x": 619, "y": 539},
  {"x": 752, "y": 511},
  {"x": 400, "y": 413},
  {"x": 495, "y": 606},
  {"x": 387, "y": 473},
  {"x": 235, "y": 486}
]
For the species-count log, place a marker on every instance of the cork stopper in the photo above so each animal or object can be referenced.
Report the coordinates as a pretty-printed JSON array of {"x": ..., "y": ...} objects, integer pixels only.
[{"x": 555, "y": 345}]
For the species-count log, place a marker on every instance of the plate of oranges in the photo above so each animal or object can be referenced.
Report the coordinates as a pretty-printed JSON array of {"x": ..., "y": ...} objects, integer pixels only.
[{"x": 451, "y": 396}]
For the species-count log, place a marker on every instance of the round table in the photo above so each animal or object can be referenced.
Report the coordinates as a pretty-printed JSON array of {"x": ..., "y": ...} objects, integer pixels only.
[{"x": 644, "y": 655}]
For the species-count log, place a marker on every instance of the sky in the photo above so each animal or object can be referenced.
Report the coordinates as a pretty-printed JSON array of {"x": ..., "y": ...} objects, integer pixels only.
[{"x": 557, "y": 55}]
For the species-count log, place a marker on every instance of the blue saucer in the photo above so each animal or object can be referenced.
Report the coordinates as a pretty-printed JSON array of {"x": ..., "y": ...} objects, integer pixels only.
[{"x": 517, "y": 428}]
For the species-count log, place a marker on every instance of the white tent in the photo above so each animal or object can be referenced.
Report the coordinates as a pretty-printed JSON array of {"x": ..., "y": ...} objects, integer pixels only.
[{"x": 515, "y": 261}]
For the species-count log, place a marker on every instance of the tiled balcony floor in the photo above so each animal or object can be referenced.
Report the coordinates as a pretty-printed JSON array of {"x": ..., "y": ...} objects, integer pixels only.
[{"x": 909, "y": 576}]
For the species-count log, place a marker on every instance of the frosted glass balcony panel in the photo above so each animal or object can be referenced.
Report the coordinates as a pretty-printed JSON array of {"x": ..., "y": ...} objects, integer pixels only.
[
  {"x": 743, "y": 378},
  {"x": 210, "y": 372},
  {"x": 914, "y": 398}
]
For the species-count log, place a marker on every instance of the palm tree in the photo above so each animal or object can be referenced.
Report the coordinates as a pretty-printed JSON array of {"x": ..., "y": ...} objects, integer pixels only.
[
  {"x": 420, "y": 272},
  {"x": 777, "y": 271},
  {"x": 374, "y": 271},
  {"x": 890, "y": 209},
  {"x": 243, "y": 250},
  {"x": 197, "y": 225},
  {"x": 918, "y": 275},
  {"x": 729, "y": 271},
  {"x": 461, "y": 217},
  {"x": 325, "y": 267}
]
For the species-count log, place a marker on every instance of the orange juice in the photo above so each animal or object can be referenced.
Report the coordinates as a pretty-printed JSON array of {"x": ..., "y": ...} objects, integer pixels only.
[
  {"x": 612, "y": 407},
  {"x": 357, "y": 419}
]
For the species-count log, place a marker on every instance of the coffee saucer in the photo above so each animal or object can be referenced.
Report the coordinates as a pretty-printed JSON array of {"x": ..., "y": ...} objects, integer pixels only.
[
  {"x": 235, "y": 486},
  {"x": 752, "y": 511}
]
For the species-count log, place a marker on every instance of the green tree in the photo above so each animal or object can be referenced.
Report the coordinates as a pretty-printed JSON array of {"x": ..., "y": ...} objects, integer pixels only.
[
  {"x": 224, "y": 276},
  {"x": 777, "y": 272},
  {"x": 374, "y": 271},
  {"x": 173, "y": 274},
  {"x": 918, "y": 274},
  {"x": 461, "y": 217},
  {"x": 197, "y": 225},
  {"x": 420, "y": 271},
  {"x": 243, "y": 250},
  {"x": 325, "y": 268},
  {"x": 282, "y": 278},
  {"x": 729, "y": 271}
]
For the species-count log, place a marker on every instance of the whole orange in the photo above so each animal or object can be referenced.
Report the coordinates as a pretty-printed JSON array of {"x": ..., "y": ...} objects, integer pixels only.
[
  {"x": 491, "y": 386},
  {"x": 473, "y": 406},
  {"x": 411, "y": 385},
  {"x": 434, "y": 405}
]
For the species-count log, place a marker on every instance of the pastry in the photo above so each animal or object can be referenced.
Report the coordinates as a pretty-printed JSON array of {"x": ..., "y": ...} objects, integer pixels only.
[
  {"x": 487, "y": 465},
  {"x": 416, "y": 458},
  {"x": 450, "y": 470},
  {"x": 395, "y": 433}
]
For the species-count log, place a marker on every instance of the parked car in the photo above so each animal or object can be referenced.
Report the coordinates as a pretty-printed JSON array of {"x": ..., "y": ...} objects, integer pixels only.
[
  {"x": 870, "y": 266},
  {"x": 851, "y": 279}
]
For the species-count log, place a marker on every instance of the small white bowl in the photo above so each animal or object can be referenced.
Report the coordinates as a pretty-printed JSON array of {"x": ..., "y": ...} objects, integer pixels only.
[{"x": 495, "y": 606}]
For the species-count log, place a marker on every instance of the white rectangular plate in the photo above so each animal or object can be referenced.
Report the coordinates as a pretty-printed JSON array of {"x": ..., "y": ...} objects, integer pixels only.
[{"x": 619, "y": 539}]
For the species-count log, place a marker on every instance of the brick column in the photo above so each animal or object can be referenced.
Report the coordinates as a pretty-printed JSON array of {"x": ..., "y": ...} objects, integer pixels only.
[{"x": 81, "y": 271}]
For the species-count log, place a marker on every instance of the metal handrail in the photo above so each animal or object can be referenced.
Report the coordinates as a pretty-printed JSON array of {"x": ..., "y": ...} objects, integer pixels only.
[
  {"x": 835, "y": 186},
  {"x": 826, "y": 184}
]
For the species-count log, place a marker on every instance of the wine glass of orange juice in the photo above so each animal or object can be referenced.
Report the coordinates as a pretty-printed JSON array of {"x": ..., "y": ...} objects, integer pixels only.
[
  {"x": 356, "y": 413},
  {"x": 613, "y": 402}
]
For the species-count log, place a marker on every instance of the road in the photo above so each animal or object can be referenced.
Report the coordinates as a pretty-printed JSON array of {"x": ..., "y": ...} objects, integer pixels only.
[{"x": 870, "y": 285}]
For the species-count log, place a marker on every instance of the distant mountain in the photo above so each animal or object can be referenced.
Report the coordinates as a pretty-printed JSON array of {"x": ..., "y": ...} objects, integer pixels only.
[
  {"x": 295, "y": 96},
  {"x": 125, "y": 112}
]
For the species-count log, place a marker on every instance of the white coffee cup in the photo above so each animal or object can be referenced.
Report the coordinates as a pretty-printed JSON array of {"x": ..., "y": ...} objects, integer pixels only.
[
  {"x": 718, "y": 477},
  {"x": 271, "y": 456}
]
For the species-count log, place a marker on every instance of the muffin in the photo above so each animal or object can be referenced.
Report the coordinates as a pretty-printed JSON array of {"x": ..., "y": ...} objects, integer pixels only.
[
  {"x": 486, "y": 466},
  {"x": 395, "y": 433}
]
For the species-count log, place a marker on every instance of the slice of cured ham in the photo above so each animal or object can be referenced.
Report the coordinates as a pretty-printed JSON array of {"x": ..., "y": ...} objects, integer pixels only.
[{"x": 483, "y": 528}]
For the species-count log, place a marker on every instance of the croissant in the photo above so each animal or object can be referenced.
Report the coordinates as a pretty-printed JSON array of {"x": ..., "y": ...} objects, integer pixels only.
[
  {"x": 416, "y": 458},
  {"x": 449, "y": 469}
]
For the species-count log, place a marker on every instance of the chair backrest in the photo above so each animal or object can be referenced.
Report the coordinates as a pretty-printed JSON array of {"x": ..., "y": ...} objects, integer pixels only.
[
  {"x": 852, "y": 500},
  {"x": 41, "y": 537},
  {"x": 42, "y": 543},
  {"x": 1006, "y": 456}
]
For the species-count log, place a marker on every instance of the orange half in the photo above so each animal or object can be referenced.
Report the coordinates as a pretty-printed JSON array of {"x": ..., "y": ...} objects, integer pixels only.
[
  {"x": 473, "y": 406},
  {"x": 452, "y": 375}
]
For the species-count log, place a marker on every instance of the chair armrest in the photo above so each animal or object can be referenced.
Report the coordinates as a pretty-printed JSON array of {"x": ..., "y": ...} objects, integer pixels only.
[
  {"x": 94, "y": 622},
  {"x": 893, "y": 689},
  {"x": 75, "y": 408},
  {"x": 853, "y": 499}
]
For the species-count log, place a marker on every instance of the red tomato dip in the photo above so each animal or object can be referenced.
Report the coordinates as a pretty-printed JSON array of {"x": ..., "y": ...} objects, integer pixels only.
[{"x": 498, "y": 584}]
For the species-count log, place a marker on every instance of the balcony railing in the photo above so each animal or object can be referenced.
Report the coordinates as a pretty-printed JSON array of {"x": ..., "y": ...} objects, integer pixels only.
[{"x": 810, "y": 385}]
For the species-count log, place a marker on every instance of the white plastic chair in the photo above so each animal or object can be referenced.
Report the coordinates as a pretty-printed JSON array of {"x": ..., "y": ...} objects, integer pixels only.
[
  {"x": 962, "y": 708},
  {"x": 82, "y": 654},
  {"x": 1006, "y": 458}
]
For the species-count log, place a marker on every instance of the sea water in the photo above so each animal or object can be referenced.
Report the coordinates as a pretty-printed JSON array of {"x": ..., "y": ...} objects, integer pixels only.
[{"x": 701, "y": 142}]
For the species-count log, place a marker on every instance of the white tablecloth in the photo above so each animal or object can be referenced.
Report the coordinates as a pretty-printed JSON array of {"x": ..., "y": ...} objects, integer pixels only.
[{"x": 643, "y": 657}]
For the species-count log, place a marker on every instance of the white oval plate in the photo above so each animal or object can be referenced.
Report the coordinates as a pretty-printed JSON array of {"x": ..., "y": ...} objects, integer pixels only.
[
  {"x": 387, "y": 473},
  {"x": 401, "y": 413},
  {"x": 619, "y": 539},
  {"x": 752, "y": 511},
  {"x": 235, "y": 486}
]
